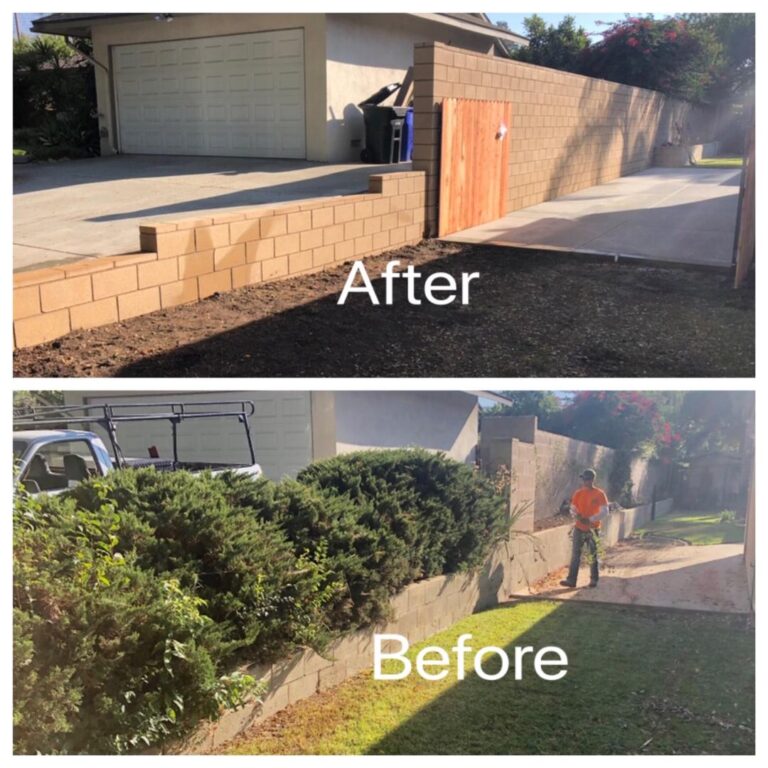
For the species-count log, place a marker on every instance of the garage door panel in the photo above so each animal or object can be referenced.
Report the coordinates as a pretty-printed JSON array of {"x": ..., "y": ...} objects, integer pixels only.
[
  {"x": 236, "y": 95},
  {"x": 193, "y": 84},
  {"x": 239, "y": 83},
  {"x": 287, "y": 45},
  {"x": 238, "y": 52},
  {"x": 169, "y": 86},
  {"x": 263, "y": 49},
  {"x": 189, "y": 54}
]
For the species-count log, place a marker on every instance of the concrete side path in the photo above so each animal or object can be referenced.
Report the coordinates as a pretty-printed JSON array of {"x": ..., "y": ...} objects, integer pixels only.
[
  {"x": 662, "y": 575},
  {"x": 78, "y": 209},
  {"x": 683, "y": 215}
]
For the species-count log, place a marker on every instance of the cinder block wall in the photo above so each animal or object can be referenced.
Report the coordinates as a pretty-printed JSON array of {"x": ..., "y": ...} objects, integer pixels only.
[
  {"x": 546, "y": 466},
  {"x": 559, "y": 462},
  {"x": 568, "y": 132},
  {"x": 420, "y": 610},
  {"x": 185, "y": 261}
]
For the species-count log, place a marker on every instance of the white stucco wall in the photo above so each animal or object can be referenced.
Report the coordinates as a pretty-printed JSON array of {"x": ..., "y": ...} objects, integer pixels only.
[
  {"x": 366, "y": 52},
  {"x": 440, "y": 421},
  {"x": 185, "y": 26}
]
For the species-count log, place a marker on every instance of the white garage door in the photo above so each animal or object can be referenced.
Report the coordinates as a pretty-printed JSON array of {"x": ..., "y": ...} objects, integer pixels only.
[
  {"x": 237, "y": 95},
  {"x": 280, "y": 429}
]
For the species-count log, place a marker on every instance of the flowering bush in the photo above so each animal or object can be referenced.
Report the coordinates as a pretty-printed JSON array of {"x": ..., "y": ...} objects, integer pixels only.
[{"x": 668, "y": 55}]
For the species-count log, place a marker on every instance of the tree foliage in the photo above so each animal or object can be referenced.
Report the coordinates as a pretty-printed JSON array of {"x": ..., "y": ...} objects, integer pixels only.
[
  {"x": 558, "y": 47},
  {"x": 622, "y": 420},
  {"x": 542, "y": 404},
  {"x": 699, "y": 57},
  {"x": 714, "y": 421},
  {"x": 54, "y": 98}
]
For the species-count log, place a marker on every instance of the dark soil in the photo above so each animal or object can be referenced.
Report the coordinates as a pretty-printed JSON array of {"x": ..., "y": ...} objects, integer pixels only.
[{"x": 531, "y": 313}]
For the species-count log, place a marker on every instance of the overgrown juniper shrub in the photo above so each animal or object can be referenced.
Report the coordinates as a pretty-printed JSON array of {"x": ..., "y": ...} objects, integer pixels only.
[
  {"x": 447, "y": 515},
  {"x": 107, "y": 657},
  {"x": 135, "y": 594},
  {"x": 263, "y": 595}
]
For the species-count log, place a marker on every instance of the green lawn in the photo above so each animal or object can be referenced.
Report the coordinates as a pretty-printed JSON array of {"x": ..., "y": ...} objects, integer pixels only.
[
  {"x": 699, "y": 528},
  {"x": 721, "y": 162},
  {"x": 639, "y": 681}
]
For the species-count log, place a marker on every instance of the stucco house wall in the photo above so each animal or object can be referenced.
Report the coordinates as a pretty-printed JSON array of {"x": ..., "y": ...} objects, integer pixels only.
[
  {"x": 439, "y": 421},
  {"x": 366, "y": 52}
]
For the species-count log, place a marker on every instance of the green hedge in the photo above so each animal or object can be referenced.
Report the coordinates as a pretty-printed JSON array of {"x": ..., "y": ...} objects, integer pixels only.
[{"x": 136, "y": 593}]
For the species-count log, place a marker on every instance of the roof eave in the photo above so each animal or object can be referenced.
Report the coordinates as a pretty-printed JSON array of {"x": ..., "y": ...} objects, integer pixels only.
[
  {"x": 496, "y": 33},
  {"x": 488, "y": 395},
  {"x": 80, "y": 27}
]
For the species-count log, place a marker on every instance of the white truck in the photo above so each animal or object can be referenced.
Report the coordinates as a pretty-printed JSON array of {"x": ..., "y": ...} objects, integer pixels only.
[{"x": 55, "y": 447}]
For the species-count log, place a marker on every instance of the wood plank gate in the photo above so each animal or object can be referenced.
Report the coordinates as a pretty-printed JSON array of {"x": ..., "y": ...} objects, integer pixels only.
[{"x": 474, "y": 159}]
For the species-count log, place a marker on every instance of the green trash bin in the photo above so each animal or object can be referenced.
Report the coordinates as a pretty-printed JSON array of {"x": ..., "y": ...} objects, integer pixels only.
[
  {"x": 378, "y": 126},
  {"x": 378, "y": 133}
]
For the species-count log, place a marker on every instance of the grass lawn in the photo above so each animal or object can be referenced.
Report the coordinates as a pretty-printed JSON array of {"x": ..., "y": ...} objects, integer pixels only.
[
  {"x": 721, "y": 162},
  {"x": 699, "y": 528},
  {"x": 639, "y": 681}
]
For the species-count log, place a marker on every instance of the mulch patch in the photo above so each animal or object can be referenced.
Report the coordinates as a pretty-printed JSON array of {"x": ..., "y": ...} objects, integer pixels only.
[{"x": 531, "y": 313}]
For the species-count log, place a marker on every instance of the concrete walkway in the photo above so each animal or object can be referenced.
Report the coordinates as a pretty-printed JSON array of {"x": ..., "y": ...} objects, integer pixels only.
[
  {"x": 662, "y": 575},
  {"x": 76, "y": 209},
  {"x": 685, "y": 215}
]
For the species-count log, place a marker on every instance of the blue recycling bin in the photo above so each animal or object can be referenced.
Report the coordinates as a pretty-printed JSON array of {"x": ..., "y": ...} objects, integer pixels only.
[{"x": 407, "y": 152}]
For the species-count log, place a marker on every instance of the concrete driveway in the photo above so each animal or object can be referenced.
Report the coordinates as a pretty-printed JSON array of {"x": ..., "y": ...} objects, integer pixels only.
[
  {"x": 661, "y": 574},
  {"x": 81, "y": 208},
  {"x": 685, "y": 215}
]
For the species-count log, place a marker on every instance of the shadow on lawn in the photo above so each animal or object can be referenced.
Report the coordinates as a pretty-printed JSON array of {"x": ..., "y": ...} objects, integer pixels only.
[{"x": 639, "y": 681}]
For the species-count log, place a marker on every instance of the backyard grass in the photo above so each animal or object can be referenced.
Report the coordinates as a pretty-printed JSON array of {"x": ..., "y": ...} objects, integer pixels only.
[
  {"x": 639, "y": 681},
  {"x": 531, "y": 313},
  {"x": 698, "y": 528},
  {"x": 721, "y": 162}
]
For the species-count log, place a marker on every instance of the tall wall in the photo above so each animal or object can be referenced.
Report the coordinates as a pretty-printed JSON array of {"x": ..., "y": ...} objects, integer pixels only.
[
  {"x": 557, "y": 462},
  {"x": 568, "y": 132}
]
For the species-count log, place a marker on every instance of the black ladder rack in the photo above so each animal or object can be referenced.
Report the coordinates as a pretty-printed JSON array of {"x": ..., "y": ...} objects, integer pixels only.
[{"x": 108, "y": 416}]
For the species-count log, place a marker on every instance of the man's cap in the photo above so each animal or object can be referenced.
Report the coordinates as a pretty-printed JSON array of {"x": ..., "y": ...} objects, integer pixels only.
[{"x": 588, "y": 474}]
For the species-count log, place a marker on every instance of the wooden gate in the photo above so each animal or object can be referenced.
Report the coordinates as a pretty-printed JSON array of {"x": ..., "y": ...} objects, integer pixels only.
[
  {"x": 744, "y": 247},
  {"x": 474, "y": 159}
]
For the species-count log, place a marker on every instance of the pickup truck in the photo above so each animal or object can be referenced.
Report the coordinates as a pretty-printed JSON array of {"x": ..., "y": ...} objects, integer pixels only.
[{"x": 51, "y": 456}]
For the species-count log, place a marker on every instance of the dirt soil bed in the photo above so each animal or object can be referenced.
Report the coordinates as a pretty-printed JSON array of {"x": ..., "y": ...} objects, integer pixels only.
[{"x": 531, "y": 313}]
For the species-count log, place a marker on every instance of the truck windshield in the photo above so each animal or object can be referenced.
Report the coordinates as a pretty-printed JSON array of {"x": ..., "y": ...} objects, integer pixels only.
[{"x": 19, "y": 449}]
